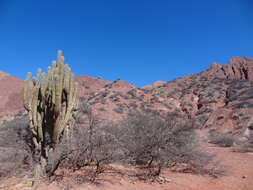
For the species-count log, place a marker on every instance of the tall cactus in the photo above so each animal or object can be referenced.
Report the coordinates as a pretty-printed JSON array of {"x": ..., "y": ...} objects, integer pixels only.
[{"x": 52, "y": 103}]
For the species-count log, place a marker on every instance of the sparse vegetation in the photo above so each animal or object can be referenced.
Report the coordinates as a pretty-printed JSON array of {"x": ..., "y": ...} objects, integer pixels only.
[
  {"x": 15, "y": 146},
  {"x": 247, "y": 144},
  {"x": 151, "y": 141},
  {"x": 132, "y": 93},
  {"x": 119, "y": 109},
  {"x": 91, "y": 146},
  {"x": 223, "y": 140},
  {"x": 146, "y": 141},
  {"x": 141, "y": 140}
]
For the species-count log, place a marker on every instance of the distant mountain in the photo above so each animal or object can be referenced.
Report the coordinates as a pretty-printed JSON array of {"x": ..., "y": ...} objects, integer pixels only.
[
  {"x": 11, "y": 95},
  {"x": 220, "y": 97}
]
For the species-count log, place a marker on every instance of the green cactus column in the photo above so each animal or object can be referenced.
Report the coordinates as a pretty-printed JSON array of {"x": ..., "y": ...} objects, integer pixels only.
[{"x": 51, "y": 103}]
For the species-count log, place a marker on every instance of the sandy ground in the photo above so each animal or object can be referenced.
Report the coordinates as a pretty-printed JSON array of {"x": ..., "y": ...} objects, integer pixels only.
[{"x": 238, "y": 176}]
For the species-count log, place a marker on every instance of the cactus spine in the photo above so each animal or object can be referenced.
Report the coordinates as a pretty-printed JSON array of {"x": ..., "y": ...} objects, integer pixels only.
[{"x": 52, "y": 104}]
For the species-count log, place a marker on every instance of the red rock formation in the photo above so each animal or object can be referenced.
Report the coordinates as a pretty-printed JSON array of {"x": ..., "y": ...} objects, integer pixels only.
[
  {"x": 237, "y": 68},
  {"x": 203, "y": 97}
]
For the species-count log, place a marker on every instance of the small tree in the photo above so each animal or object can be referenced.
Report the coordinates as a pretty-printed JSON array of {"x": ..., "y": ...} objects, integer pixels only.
[{"x": 51, "y": 107}]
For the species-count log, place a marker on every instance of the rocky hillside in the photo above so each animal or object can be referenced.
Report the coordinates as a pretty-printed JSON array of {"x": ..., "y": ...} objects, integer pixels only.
[
  {"x": 11, "y": 95},
  {"x": 220, "y": 97}
]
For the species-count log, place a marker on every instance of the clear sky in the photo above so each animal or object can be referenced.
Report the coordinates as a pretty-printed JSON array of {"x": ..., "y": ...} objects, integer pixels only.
[{"x": 139, "y": 41}]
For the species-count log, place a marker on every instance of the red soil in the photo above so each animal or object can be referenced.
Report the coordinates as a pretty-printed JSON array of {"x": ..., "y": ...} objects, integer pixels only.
[{"x": 238, "y": 175}]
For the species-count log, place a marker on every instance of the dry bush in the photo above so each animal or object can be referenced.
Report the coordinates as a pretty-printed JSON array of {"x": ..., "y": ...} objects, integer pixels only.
[
  {"x": 245, "y": 145},
  {"x": 151, "y": 141},
  {"x": 147, "y": 141},
  {"x": 89, "y": 146},
  {"x": 14, "y": 146},
  {"x": 84, "y": 157},
  {"x": 86, "y": 148},
  {"x": 222, "y": 140}
]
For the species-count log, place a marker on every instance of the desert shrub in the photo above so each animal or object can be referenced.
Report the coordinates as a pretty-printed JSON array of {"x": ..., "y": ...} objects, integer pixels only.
[
  {"x": 149, "y": 140},
  {"x": 146, "y": 91},
  {"x": 245, "y": 145},
  {"x": 210, "y": 101},
  {"x": 211, "y": 130},
  {"x": 70, "y": 153},
  {"x": 133, "y": 105},
  {"x": 154, "y": 99},
  {"x": 243, "y": 105},
  {"x": 115, "y": 97},
  {"x": 84, "y": 107},
  {"x": 223, "y": 140},
  {"x": 108, "y": 85},
  {"x": 102, "y": 109},
  {"x": 119, "y": 109},
  {"x": 103, "y": 93},
  {"x": 207, "y": 110},
  {"x": 14, "y": 146},
  {"x": 201, "y": 118},
  {"x": 88, "y": 148},
  {"x": 203, "y": 79},
  {"x": 220, "y": 117},
  {"x": 132, "y": 93},
  {"x": 89, "y": 145}
]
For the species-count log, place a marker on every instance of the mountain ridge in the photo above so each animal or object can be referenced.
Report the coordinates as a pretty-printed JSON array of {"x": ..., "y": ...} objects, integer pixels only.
[{"x": 225, "y": 90}]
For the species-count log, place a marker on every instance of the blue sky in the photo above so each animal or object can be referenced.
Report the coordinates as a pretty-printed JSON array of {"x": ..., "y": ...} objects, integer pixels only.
[{"x": 139, "y": 41}]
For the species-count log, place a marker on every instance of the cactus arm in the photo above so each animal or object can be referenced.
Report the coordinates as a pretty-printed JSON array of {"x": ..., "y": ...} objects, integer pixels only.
[
  {"x": 71, "y": 106},
  {"x": 37, "y": 77},
  {"x": 53, "y": 65},
  {"x": 57, "y": 109},
  {"x": 66, "y": 79},
  {"x": 35, "y": 142},
  {"x": 40, "y": 130},
  {"x": 43, "y": 86},
  {"x": 35, "y": 107},
  {"x": 74, "y": 100},
  {"x": 60, "y": 83},
  {"x": 59, "y": 54},
  {"x": 27, "y": 106},
  {"x": 71, "y": 89}
]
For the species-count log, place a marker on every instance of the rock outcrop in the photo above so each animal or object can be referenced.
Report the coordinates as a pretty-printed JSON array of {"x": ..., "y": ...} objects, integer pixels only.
[{"x": 237, "y": 68}]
